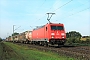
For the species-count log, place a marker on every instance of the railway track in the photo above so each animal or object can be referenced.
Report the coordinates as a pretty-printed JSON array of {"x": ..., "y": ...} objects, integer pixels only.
[
  {"x": 82, "y": 50},
  {"x": 78, "y": 52}
]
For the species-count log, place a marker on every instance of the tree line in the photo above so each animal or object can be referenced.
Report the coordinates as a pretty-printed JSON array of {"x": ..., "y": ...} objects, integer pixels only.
[
  {"x": 75, "y": 37},
  {"x": 0, "y": 39}
]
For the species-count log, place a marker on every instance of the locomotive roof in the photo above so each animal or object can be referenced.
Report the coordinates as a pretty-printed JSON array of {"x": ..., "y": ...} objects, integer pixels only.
[
  {"x": 38, "y": 27},
  {"x": 54, "y": 23}
]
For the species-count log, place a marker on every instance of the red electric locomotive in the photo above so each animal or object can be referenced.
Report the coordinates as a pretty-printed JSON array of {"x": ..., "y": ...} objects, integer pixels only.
[{"x": 51, "y": 33}]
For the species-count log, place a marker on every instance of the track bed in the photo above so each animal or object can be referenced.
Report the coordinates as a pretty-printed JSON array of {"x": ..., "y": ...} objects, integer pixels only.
[{"x": 79, "y": 52}]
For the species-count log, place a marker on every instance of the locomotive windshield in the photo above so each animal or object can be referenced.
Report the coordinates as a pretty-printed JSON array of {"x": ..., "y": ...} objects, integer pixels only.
[{"x": 57, "y": 28}]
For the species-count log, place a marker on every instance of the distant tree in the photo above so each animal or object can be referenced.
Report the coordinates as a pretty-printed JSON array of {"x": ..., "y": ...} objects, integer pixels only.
[
  {"x": 73, "y": 36},
  {"x": 15, "y": 34},
  {"x": 0, "y": 39},
  {"x": 9, "y": 36}
]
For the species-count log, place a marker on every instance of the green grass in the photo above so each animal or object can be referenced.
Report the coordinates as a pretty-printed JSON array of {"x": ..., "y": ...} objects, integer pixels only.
[
  {"x": 34, "y": 54},
  {"x": 1, "y": 50},
  {"x": 80, "y": 44},
  {"x": 6, "y": 53}
]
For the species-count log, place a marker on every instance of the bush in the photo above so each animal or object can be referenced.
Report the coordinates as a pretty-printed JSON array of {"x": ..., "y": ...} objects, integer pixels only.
[
  {"x": 88, "y": 41},
  {"x": 73, "y": 40},
  {"x": 0, "y": 40}
]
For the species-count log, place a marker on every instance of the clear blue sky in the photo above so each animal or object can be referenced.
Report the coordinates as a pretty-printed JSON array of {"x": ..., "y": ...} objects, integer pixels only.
[{"x": 74, "y": 14}]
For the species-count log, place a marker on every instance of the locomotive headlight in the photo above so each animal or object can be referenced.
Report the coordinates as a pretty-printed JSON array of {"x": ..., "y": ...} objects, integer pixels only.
[
  {"x": 62, "y": 37},
  {"x": 52, "y": 34},
  {"x": 62, "y": 34}
]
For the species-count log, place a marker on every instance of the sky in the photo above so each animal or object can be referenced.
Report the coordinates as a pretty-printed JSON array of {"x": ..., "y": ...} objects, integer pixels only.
[{"x": 27, "y": 14}]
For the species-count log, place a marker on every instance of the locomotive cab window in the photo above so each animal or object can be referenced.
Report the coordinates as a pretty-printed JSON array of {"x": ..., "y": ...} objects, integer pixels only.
[
  {"x": 57, "y": 28},
  {"x": 46, "y": 28}
]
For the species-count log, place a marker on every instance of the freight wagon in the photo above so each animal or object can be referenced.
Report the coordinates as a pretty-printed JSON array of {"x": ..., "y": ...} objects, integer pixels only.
[
  {"x": 9, "y": 38},
  {"x": 24, "y": 37}
]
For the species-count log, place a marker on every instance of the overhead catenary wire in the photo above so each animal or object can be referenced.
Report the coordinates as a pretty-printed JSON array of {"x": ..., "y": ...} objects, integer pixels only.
[
  {"x": 77, "y": 12},
  {"x": 57, "y": 8},
  {"x": 80, "y": 11},
  {"x": 63, "y": 5},
  {"x": 41, "y": 5}
]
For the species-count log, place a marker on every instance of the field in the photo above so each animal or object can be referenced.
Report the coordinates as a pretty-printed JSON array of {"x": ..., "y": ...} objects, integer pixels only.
[
  {"x": 0, "y": 50},
  {"x": 84, "y": 39},
  {"x": 10, "y": 51},
  {"x": 6, "y": 53}
]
